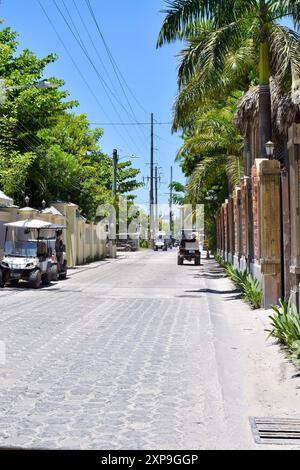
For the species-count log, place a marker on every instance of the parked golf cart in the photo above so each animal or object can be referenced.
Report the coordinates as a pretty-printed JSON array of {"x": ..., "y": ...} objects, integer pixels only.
[
  {"x": 189, "y": 250},
  {"x": 160, "y": 242},
  {"x": 57, "y": 257},
  {"x": 26, "y": 254}
]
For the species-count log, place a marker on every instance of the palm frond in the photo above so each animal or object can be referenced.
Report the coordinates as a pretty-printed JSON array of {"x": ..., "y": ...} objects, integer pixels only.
[
  {"x": 205, "y": 174},
  {"x": 284, "y": 51},
  {"x": 181, "y": 13},
  {"x": 209, "y": 52},
  {"x": 235, "y": 169}
]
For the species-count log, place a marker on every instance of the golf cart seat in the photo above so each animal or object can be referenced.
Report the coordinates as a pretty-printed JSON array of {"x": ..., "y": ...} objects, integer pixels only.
[{"x": 42, "y": 250}]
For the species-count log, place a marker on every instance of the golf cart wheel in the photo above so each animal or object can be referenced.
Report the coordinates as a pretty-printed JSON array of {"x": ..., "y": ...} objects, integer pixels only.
[
  {"x": 63, "y": 276},
  {"x": 198, "y": 261},
  {"x": 64, "y": 273},
  {"x": 35, "y": 279},
  {"x": 14, "y": 282},
  {"x": 179, "y": 261},
  {"x": 2, "y": 283},
  {"x": 54, "y": 272},
  {"x": 46, "y": 278}
]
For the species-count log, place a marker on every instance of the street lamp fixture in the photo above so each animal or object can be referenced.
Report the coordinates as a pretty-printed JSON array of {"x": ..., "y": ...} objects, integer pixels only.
[
  {"x": 270, "y": 147},
  {"x": 134, "y": 157},
  {"x": 41, "y": 85},
  {"x": 45, "y": 84}
]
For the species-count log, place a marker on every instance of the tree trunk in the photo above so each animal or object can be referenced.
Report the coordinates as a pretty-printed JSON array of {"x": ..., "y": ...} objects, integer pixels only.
[{"x": 265, "y": 115}]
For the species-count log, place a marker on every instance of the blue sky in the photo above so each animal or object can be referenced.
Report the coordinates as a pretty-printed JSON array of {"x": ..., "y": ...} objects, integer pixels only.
[{"x": 130, "y": 30}]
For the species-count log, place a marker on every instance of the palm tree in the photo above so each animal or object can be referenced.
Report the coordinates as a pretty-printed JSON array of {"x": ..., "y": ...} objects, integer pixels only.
[
  {"x": 218, "y": 146},
  {"x": 226, "y": 38}
]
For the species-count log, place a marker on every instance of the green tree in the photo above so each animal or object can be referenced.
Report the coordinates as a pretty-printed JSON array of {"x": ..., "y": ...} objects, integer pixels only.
[
  {"x": 227, "y": 40},
  {"x": 24, "y": 111},
  {"x": 46, "y": 151},
  {"x": 211, "y": 159}
]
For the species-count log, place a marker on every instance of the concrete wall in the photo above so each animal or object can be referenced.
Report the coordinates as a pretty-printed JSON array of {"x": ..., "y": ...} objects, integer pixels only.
[{"x": 82, "y": 241}]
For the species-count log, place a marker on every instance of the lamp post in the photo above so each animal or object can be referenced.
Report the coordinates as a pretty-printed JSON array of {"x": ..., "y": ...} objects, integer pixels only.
[
  {"x": 270, "y": 147},
  {"x": 41, "y": 85},
  {"x": 116, "y": 160}
]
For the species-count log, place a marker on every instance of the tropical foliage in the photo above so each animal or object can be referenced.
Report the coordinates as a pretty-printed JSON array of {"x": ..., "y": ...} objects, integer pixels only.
[
  {"x": 211, "y": 159},
  {"x": 251, "y": 288},
  {"x": 229, "y": 46},
  {"x": 226, "y": 43},
  {"x": 285, "y": 327},
  {"x": 46, "y": 150}
]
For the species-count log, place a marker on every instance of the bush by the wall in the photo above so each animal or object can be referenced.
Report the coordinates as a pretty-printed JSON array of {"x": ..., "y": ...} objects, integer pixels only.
[{"x": 251, "y": 288}]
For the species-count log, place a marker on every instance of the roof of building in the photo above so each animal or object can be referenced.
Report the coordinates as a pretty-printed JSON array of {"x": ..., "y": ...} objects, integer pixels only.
[
  {"x": 52, "y": 210},
  {"x": 285, "y": 109},
  {"x": 5, "y": 201}
]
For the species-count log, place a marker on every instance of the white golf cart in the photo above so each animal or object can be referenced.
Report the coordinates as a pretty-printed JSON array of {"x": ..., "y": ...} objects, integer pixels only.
[
  {"x": 26, "y": 254},
  {"x": 160, "y": 242}
]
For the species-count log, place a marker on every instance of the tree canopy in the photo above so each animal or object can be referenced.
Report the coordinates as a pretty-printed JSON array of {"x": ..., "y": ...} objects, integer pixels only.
[{"x": 47, "y": 151}]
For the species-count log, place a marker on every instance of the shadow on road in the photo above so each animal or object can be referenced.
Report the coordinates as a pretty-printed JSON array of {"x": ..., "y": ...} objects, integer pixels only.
[{"x": 218, "y": 292}]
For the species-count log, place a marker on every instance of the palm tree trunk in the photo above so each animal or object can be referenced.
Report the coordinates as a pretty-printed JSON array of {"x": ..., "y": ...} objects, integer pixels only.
[{"x": 265, "y": 115}]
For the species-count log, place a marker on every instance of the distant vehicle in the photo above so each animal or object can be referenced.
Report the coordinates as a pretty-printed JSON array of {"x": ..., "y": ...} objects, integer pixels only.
[
  {"x": 189, "y": 250},
  {"x": 160, "y": 242},
  {"x": 128, "y": 241},
  {"x": 27, "y": 254}
]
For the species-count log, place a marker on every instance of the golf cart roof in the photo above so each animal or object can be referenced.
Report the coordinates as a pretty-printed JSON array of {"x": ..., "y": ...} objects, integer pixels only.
[
  {"x": 55, "y": 227},
  {"x": 34, "y": 224}
]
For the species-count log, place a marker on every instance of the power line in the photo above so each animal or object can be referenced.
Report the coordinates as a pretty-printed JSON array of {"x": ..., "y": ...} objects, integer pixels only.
[
  {"x": 100, "y": 59},
  {"x": 130, "y": 124},
  {"x": 113, "y": 62},
  {"x": 105, "y": 86},
  {"x": 79, "y": 71}
]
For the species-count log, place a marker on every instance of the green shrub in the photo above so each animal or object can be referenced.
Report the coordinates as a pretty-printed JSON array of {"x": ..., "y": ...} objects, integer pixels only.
[
  {"x": 251, "y": 288},
  {"x": 220, "y": 260},
  {"x": 239, "y": 278},
  {"x": 286, "y": 327},
  {"x": 144, "y": 244},
  {"x": 253, "y": 292}
]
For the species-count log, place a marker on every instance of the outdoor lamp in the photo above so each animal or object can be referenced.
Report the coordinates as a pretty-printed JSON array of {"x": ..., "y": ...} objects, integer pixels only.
[
  {"x": 45, "y": 84},
  {"x": 270, "y": 149}
]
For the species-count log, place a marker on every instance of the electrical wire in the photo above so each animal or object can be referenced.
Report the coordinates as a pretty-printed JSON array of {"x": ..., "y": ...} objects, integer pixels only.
[
  {"x": 112, "y": 60},
  {"x": 105, "y": 86},
  {"x": 104, "y": 66},
  {"x": 116, "y": 65},
  {"x": 80, "y": 73},
  {"x": 130, "y": 124}
]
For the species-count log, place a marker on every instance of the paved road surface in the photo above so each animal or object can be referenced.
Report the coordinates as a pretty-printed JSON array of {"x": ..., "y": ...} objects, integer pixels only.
[{"x": 123, "y": 356}]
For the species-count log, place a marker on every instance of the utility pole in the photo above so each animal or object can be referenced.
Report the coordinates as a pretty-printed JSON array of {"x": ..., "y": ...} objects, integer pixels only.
[
  {"x": 151, "y": 177},
  {"x": 112, "y": 242},
  {"x": 171, "y": 201},
  {"x": 114, "y": 174},
  {"x": 156, "y": 196}
]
